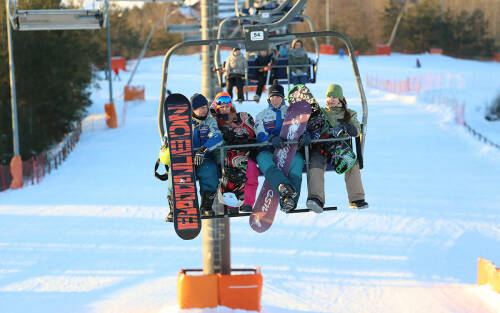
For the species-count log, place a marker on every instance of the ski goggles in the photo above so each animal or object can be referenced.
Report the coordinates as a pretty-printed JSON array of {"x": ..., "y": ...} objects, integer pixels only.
[{"x": 223, "y": 101}]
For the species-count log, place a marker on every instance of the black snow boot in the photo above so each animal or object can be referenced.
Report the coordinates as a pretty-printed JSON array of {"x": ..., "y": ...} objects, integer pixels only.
[
  {"x": 287, "y": 193},
  {"x": 287, "y": 204},
  {"x": 286, "y": 190},
  {"x": 246, "y": 208},
  {"x": 170, "y": 216},
  {"x": 358, "y": 204},
  {"x": 207, "y": 200}
]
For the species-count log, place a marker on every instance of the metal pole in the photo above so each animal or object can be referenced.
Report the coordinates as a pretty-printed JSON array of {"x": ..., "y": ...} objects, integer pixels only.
[
  {"x": 215, "y": 232},
  {"x": 13, "y": 99},
  {"x": 109, "y": 53},
  {"x": 328, "y": 20}
]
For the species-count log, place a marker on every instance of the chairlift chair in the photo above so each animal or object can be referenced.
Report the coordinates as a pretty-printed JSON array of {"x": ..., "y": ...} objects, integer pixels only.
[
  {"x": 250, "y": 46},
  {"x": 279, "y": 69}
]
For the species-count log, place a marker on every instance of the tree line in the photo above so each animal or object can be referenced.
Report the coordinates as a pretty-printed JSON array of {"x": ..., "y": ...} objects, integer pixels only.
[{"x": 55, "y": 70}]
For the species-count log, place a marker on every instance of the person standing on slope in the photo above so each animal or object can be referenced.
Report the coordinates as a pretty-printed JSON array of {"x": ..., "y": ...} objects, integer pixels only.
[{"x": 268, "y": 125}]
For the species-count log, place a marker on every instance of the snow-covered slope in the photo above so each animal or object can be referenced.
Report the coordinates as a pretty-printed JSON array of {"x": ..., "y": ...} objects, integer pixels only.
[{"x": 91, "y": 236}]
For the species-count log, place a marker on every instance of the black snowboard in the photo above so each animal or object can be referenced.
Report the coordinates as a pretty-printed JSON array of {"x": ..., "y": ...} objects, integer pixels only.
[{"x": 187, "y": 221}]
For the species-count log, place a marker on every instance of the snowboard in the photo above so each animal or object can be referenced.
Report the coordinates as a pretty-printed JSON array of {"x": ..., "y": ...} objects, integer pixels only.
[
  {"x": 187, "y": 221},
  {"x": 267, "y": 202}
]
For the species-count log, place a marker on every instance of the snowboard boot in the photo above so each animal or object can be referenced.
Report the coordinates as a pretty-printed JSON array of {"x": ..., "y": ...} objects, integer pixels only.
[
  {"x": 246, "y": 208},
  {"x": 287, "y": 193},
  {"x": 170, "y": 216},
  {"x": 207, "y": 200},
  {"x": 287, "y": 204},
  {"x": 233, "y": 210},
  {"x": 286, "y": 190},
  {"x": 314, "y": 205},
  {"x": 358, "y": 204}
]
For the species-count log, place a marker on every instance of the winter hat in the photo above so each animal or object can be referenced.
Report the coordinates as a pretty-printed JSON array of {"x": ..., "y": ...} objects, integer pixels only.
[
  {"x": 276, "y": 90},
  {"x": 197, "y": 101},
  {"x": 222, "y": 97},
  {"x": 236, "y": 49},
  {"x": 335, "y": 90}
]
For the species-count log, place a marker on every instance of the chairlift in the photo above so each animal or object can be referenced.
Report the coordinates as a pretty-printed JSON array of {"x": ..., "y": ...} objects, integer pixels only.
[
  {"x": 280, "y": 69},
  {"x": 265, "y": 39},
  {"x": 56, "y": 19}
]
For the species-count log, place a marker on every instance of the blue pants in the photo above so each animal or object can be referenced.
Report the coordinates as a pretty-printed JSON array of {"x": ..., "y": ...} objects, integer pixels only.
[
  {"x": 298, "y": 79},
  {"x": 276, "y": 177},
  {"x": 207, "y": 174}
]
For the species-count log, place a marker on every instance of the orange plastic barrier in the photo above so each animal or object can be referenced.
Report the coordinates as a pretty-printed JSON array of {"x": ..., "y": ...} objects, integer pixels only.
[
  {"x": 496, "y": 56},
  {"x": 326, "y": 49},
  {"x": 197, "y": 291},
  {"x": 240, "y": 291},
  {"x": 111, "y": 118},
  {"x": 488, "y": 273},
  {"x": 208, "y": 291},
  {"x": 118, "y": 63},
  {"x": 436, "y": 51},
  {"x": 132, "y": 93},
  {"x": 383, "y": 50},
  {"x": 16, "y": 170}
]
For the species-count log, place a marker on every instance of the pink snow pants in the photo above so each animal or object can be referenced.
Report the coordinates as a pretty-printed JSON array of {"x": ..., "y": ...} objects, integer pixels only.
[{"x": 252, "y": 183}]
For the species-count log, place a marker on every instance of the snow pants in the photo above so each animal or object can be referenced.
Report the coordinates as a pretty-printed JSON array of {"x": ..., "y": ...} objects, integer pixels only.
[
  {"x": 316, "y": 179},
  {"x": 298, "y": 79},
  {"x": 252, "y": 183},
  {"x": 275, "y": 176},
  {"x": 238, "y": 82}
]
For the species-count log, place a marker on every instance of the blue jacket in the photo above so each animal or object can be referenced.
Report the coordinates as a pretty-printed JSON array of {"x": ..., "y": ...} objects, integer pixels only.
[
  {"x": 269, "y": 122},
  {"x": 206, "y": 133}
]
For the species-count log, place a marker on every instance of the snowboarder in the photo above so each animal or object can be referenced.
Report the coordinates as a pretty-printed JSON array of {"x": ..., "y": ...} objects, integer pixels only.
[
  {"x": 235, "y": 73},
  {"x": 341, "y": 122},
  {"x": 240, "y": 170},
  {"x": 298, "y": 62},
  {"x": 268, "y": 125},
  {"x": 206, "y": 138}
]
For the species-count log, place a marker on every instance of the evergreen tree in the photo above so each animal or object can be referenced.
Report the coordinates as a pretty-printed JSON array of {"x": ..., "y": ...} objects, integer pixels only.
[{"x": 53, "y": 73}]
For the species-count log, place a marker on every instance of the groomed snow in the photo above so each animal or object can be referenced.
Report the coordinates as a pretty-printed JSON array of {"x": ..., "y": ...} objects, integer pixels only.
[{"x": 91, "y": 236}]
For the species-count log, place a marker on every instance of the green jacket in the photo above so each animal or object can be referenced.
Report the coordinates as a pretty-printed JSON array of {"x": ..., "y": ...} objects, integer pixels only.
[{"x": 336, "y": 115}]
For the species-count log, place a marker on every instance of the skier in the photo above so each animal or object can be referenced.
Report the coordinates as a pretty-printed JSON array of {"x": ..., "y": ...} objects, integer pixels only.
[
  {"x": 268, "y": 125},
  {"x": 341, "y": 122},
  {"x": 240, "y": 170},
  {"x": 298, "y": 62},
  {"x": 235, "y": 72},
  {"x": 206, "y": 138}
]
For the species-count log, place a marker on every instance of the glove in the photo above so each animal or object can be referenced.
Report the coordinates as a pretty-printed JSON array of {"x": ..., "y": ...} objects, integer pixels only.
[
  {"x": 345, "y": 128},
  {"x": 351, "y": 130},
  {"x": 305, "y": 139},
  {"x": 200, "y": 155},
  {"x": 338, "y": 130},
  {"x": 276, "y": 141},
  {"x": 227, "y": 135}
]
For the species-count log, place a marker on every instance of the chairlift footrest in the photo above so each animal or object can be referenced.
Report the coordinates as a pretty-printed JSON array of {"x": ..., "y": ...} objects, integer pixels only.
[{"x": 328, "y": 208}]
